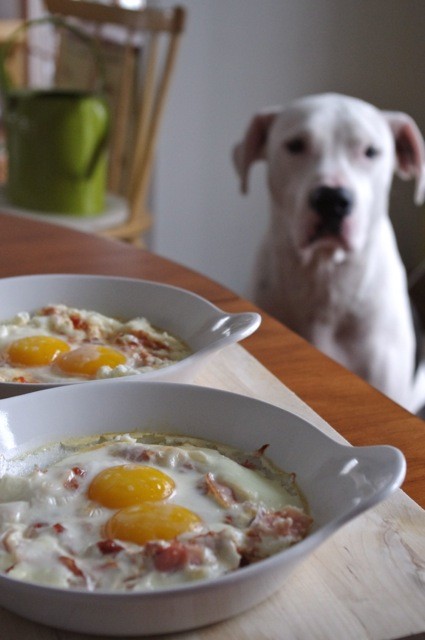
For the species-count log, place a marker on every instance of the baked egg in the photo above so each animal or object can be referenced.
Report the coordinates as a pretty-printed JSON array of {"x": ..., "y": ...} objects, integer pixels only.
[
  {"x": 142, "y": 511},
  {"x": 62, "y": 344}
]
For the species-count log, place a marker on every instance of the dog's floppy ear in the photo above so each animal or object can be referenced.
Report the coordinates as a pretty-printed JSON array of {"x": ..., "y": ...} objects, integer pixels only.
[
  {"x": 410, "y": 151},
  {"x": 253, "y": 145}
]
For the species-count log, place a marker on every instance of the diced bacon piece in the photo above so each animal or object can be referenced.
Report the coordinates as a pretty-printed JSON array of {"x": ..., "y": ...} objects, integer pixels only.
[
  {"x": 78, "y": 471},
  {"x": 262, "y": 450},
  {"x": 288, "y": 522},
  {"x": 177, "y": 555},
  {"x": 59, "y": 528},
  {"x": 138, "y": 454},
  {"x": 253, "y": 461},
  {"x": 78, "y": 322},
  {"x": 248, "y": 464},
  {"x": 221, "y": 493},
  {"x": 274, "y": 529},
  {"x": 150, "y": 343},
  {"x": 72, "y": 483},
  {"x": 50, "y": 310},
  {"x": 141, "y": 339},
  {"x": 70, "y": 564},
  {"x": 172, "y": 558},
  {"x": 109, "y": 546}
]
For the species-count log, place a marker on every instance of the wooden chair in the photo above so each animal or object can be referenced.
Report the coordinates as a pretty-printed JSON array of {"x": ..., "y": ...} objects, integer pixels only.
[
  {"x": 138, "y": 59},
  {"x": 16, "y": 69},
  {"x": 16, "y": 64}
]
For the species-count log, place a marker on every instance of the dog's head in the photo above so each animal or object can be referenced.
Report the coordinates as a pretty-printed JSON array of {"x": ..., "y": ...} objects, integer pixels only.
[{"x": 331, "y": 159}]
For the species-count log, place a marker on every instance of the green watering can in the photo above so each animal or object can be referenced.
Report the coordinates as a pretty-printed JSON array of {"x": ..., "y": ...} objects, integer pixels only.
[{"x": 56, "y": 143}]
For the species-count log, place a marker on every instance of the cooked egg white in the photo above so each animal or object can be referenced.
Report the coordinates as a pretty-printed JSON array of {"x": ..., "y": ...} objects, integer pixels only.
[
  {"x": 124, "y": 514},
  {"x": 64, "y": 344}
]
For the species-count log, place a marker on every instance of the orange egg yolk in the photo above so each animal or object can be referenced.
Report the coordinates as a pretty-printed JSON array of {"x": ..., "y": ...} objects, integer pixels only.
[
  {"x": 143, "y": 523},
  {"x": 125, "y": 485},
  {"x": 36, "y": 350},
  {"x": 86, "y": 360}
]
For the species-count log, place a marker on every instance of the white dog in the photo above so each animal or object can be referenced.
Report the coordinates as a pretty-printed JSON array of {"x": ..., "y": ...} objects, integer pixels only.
[{"x": 329, "y": 267}]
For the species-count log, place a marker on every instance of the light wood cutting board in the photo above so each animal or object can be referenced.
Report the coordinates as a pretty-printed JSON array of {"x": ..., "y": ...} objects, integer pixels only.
[{"x": 366, "y": 583}]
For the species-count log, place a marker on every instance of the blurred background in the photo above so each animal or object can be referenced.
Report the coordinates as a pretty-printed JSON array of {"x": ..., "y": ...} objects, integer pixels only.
[{"x": 238, "y": 56}]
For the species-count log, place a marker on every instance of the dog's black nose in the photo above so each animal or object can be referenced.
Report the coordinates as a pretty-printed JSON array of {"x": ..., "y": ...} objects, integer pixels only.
[{"x": 331, "y": 203}]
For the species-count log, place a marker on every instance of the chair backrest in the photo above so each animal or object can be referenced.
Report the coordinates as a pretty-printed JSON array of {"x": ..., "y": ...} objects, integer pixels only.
[
  {"x": 16, "y": 61},
  {"x": 138, "y": 51}
]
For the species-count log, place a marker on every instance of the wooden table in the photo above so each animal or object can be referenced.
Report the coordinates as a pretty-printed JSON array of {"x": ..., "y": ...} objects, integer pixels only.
[
  {"x": 354, "y": 409},
  {"x": 358, "y": 412}
]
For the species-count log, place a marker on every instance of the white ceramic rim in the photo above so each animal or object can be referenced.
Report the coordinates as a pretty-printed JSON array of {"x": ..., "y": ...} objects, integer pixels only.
[{"x": 240, "y": 326}]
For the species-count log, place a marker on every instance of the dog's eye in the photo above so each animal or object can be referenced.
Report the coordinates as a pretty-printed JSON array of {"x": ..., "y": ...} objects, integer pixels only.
[
  {"x": 371, "y": 152},
  {"x": 295, "y": 146}
]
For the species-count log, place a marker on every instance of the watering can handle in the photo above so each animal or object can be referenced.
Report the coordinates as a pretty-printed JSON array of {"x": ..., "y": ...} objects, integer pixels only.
[
  {"x": 100, "y": 148},
  {"x": 5, "y": 82}
]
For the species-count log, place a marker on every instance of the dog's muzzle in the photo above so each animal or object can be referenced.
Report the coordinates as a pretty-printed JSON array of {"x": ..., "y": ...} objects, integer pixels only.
[{"x": 332, "y": 204}]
